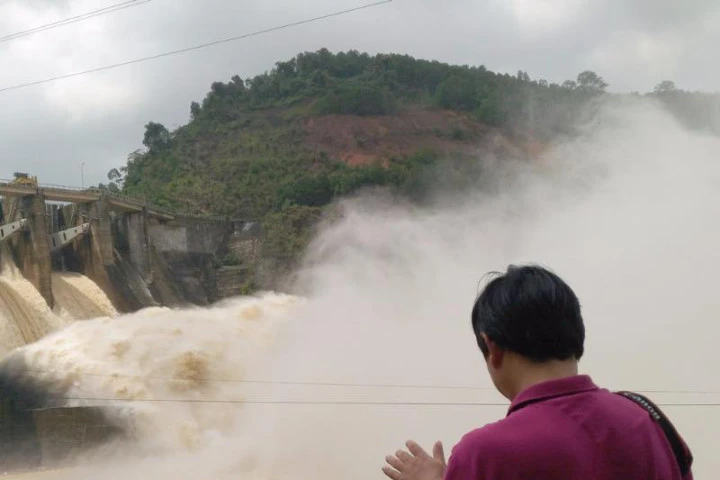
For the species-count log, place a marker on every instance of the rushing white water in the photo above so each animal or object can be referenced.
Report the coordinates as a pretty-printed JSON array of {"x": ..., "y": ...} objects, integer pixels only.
[
  {"x": 24, "y": 315},
  {"x": 163, "y": 354},
  {"x": 627, "y": 214},
  {"x": 79, "y": 298}
]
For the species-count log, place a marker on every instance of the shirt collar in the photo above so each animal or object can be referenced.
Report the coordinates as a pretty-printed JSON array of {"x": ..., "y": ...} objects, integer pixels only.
[{"x": 552, "y": 389}]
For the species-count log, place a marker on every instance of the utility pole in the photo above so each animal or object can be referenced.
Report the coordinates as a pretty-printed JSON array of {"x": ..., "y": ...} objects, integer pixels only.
[{"x": 82, "y": 175}]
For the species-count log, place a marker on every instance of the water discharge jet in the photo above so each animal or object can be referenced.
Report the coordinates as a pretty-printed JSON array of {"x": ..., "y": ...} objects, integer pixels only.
[{"x": 24, "y": 314}]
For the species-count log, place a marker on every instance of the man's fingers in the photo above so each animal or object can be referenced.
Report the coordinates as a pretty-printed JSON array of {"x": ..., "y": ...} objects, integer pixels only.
[
  {"x": 439, "y": 452},
  {"x": 395, "y": 462},
  {"x": 392, "y": 473},
  {"x": 403, "y": 456},
  {"x": 416, "y": 449}
]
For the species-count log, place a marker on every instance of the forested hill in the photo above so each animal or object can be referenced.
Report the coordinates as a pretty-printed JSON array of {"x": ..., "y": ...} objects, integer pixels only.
[{"x": 280, "y": 146}]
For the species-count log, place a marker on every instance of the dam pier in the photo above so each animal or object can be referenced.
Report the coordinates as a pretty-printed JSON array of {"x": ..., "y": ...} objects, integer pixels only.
[{"x": 137, "y": 253}]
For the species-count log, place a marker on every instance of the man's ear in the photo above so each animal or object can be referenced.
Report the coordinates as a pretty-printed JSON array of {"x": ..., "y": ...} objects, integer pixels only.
[{"x": 495, "y": 353}]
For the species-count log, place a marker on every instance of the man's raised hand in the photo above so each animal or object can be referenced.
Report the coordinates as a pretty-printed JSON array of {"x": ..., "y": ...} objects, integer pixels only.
[{"x": 417, "y": 464}]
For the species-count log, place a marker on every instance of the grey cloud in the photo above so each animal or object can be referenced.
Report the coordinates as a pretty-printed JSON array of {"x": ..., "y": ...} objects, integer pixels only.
[
  {"x": 51, "y": 129},
  {"x": 59, "y": 5},
  {"x": 664, "y": 14}
]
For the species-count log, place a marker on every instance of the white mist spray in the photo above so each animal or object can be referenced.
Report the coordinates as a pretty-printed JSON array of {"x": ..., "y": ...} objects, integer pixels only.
[{"x": 627, "y": 214}]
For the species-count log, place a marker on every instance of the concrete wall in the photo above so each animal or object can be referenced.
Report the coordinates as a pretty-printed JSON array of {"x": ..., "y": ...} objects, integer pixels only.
[
  {"x": 136, "y": 228},
  {"x": 244, "y": 242},
  {"x": 33, "y": 248},
  {"x": 169, "y": 238},
  {"x": 175, "y": 259},
  {"x": 232, "y": 281},
  {"x": 137, "y": 259},
  {"x": 190, "y": 235},
  {"x": 189, "y": 252},
  {"x": 101, "y": 232},
  {"x": 201, "y": 236},
  {"x": 55, "y": 437}
]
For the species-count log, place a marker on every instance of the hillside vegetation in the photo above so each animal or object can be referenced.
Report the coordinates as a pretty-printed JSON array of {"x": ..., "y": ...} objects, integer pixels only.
[{"x": 280, "y": 146}]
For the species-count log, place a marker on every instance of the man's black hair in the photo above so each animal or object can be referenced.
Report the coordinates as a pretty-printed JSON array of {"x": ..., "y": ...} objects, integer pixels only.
[{"x": 530, "y": 311}]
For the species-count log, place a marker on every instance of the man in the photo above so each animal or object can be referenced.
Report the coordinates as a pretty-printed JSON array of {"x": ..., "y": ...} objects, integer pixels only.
[{"x": 560, "y": 425}]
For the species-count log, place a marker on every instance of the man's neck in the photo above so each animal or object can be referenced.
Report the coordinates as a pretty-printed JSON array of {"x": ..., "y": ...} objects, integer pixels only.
[{"x": 530, "y": 373}]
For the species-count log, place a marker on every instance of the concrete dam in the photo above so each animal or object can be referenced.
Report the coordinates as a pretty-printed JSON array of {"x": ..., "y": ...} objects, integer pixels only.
[{"x": 68, "y": 255}]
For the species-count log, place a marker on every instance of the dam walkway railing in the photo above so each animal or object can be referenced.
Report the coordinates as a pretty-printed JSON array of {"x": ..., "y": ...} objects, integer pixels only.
[{"x": 63, "y": 193}]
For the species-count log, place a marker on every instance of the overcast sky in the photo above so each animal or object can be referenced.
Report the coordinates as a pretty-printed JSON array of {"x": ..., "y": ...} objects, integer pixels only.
[{"x": 51, "y": 129}]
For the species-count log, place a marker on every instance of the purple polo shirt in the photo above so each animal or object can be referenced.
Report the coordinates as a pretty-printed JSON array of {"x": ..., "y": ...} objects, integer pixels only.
[{"x": 567, "y": 429}]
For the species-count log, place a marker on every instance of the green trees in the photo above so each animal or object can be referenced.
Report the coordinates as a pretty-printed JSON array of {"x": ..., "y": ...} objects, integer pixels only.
[
  {"x": 157, "y": 137},
  {"x": 257, "y": 163},
  {"x": 590, "y": 82},
  {"x": 354, "y": 83},
  {"x": 458, "y": 92},
  {"x": 232, "y": 144},
  {"x": 116, "y": 181},
  {"x": 357, "y": 99},
  {"x": 244, "y": 153},
  {"x": 287, "y": 233},
  {"x": 665, "y": 86},
  {"x": 195, "y": 110},
  {"x": 696, "y": 110},
  {"x": 492, "y": 109}
]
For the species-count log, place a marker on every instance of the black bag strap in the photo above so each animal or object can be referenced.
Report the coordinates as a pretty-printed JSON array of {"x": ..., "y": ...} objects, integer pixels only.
[{"x": 682, "y": 453}]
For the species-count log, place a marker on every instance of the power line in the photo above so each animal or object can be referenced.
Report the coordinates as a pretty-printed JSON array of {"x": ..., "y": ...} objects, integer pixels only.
[
  {"x": 78, "y": 18},
  {"x": 196, "y": 47},
  {"x": 280, "y": 402},
  {"x": 332, "y": 403},
  {"x": 265, "y": 382},
  {"x": 683, "y": 392},
  {"x": 318, "y": 383}
]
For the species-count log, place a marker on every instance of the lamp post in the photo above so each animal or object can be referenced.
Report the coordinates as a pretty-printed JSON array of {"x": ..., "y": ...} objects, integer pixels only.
[{"x": 82, "y": 175}]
